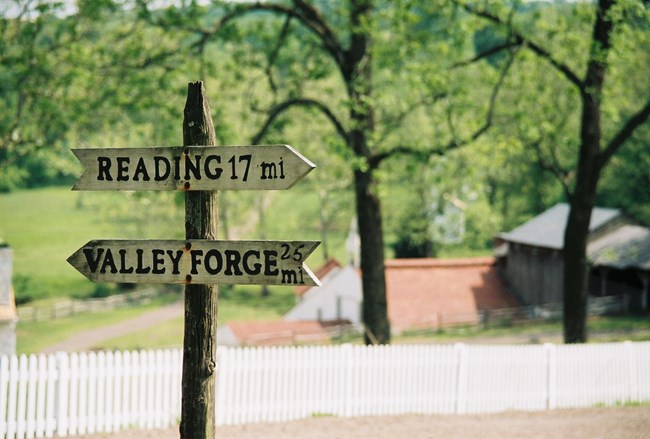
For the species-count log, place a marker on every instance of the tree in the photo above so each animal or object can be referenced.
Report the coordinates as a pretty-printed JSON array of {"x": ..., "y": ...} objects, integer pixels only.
[
  {"x": 32, "y": 90},
  {"x": 344, "y": 37},
  {"x": 612, "y": 22},
  {"x": 72, "y": 79}
]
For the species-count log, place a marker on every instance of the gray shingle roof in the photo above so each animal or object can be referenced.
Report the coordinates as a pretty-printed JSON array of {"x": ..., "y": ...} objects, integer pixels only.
[
  {"x": 626, "y": 247},
  {"x": 547, "y": 229}
]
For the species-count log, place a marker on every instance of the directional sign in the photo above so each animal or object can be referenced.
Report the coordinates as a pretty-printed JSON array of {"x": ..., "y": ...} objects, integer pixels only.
[
  {"x": 197, "y": 168},
  {"x": 196, "y": 262}
]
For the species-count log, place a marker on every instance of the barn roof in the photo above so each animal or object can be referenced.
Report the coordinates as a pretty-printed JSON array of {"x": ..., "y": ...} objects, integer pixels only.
[
  {"x": 547, "y": 229},
  {"x": 278, "y": 332},
  {"x": 625, "y": 247},
  {"x": 423, "y": 291},
  {"x": 330, "y": 267}
]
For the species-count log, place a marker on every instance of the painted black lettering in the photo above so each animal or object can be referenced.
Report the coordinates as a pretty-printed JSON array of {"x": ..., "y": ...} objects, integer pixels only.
[
  {"x": 270, "y": 263},
  {"x": 289, "y": 277},
  {"x": 104, "y": 169},
  {"x": 194, "y": 168},
  {"x": 177, "y": 167},
  {"x": 195, "y": 260},
  {"x": 159, "y": 173},
  {"x": 246, "y": 158},
  {"x": 158, "y": 261},
  {"x": 256, "y": 267},
  {"x": 233, "y": 174},
  {"x": 215, "y": 254},
  {"x": 176, "y": 260},
  {"x": 123, "y": 268},
  {"x": 123, "y": 168},
  {"x": 213, "y": 173},
  {"x": 232, "y": 263},
  {"x": 109, "y": 262},
  {"x": 269, "y": 171},
  {"x": 93, "y": 262},
  {"x": 285, "y": 251},
  {"x": 141, "y": 171},
  {"x": 141, "y": 269},
  {"x": 297, "y": 255}
]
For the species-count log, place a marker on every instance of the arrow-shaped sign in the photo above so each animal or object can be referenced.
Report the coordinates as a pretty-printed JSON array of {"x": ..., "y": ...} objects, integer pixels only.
[
  {"x": 196, "y": 261},
  {"x": 198, "y": 168}
]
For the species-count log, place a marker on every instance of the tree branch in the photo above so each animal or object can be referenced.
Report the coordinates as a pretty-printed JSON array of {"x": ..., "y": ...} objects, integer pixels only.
[
  {"x": 563, "y": 175},
  {"x": 453, "y": 144},
  {"x": 277, "y": 110},
  {"x": 624, "y": 133},
  {"x": 305, "y": 13},
  {"x": 520, "y": 39},
  {"x": 486, "y": 53},
  {"x": 274, "y": 54},
  {"x": 390, "y": 123}
]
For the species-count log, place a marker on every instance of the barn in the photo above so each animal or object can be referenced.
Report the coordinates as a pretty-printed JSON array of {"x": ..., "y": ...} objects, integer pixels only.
[
  {"x": 530, "y": 257},
  {"x": 421, "y": 293}
]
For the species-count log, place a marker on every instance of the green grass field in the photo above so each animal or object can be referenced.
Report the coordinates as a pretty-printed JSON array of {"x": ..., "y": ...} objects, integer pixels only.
[{"x": 45, "y": 226}]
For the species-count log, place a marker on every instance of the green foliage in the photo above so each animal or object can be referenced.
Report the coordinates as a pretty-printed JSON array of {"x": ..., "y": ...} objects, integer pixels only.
[
  {"x": 113, "y": 76},
  {"x": 626, "y": 181}
]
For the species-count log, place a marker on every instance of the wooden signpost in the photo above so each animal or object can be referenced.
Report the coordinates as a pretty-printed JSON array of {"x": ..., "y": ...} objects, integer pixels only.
[{"x": 200, "y": 261}]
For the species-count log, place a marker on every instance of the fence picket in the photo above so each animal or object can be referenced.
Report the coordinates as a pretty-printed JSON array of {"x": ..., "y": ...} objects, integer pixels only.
[
  {"x": 23, "y": 375},
  {"x": 31, "y": 396},
  {"x": 61, "y": 362},
  {"x": 41, "y": 388},
  {"x": 13, "y": 396},
  {"x": 91, "y": 419},
  {"x": 109, "y": 383},
  {"x": 82, "y": 412},
  {"x": 73, "y": 414},
  {"x": 125, "y": 401},
  {"x": 142, "y": 390},
  {"x": 50, "y": 408},
  {"x": 101, "y": 391},
  {"x": 4, "y": 391}
]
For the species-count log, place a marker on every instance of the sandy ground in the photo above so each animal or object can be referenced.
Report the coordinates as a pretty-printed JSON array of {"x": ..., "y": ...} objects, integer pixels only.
[{"x": 592, "y": 423}]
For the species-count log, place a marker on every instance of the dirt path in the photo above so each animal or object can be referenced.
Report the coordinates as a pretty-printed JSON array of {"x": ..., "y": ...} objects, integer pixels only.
[
  {"x": 86, "y": 340},
  {"x": 592, "y": 423}
]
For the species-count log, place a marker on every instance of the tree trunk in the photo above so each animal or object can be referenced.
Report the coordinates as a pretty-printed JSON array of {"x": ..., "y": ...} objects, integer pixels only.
[
  {"x": 576, "y": 234},
  {"x": 576, "y": 271},
  {"x": 371, "y": 235},
  {"x": 358, "y": 77},
  {"x": 589, "y": 166},
  {"x": 200, "y": 336}
]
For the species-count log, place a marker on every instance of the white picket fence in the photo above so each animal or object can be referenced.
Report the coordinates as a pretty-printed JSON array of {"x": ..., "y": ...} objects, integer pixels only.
[{"x": 74, "y": 394}]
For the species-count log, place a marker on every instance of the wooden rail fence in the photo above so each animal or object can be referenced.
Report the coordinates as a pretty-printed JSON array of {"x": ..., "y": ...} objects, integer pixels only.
[{"x": 68, "y": 308}]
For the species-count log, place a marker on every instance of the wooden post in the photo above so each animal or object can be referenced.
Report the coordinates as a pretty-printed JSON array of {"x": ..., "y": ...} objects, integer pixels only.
[{"x": 200, "y": 336}]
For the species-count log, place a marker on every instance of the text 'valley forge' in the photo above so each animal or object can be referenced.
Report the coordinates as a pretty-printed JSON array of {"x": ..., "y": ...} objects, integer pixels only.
[
  {"x": 196, "y": 262},
  {"x": 196, "y": 168}
]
